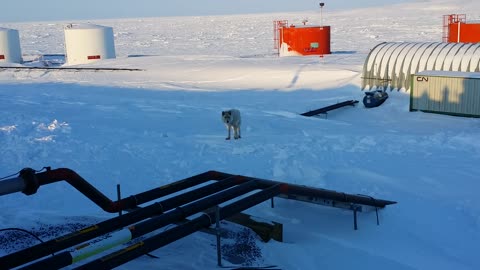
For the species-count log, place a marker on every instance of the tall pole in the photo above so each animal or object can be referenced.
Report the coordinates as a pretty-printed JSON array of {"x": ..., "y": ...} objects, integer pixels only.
[{"x": 321, "y": 15}]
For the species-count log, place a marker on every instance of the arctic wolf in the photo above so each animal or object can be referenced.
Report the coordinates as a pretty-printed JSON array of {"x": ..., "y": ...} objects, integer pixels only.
[{"x": 232, "y": 120}]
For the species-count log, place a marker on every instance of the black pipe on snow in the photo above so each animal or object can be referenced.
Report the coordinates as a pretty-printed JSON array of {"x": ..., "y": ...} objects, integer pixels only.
[
  {"x": 46, "y": 248},
  {"x": 32, "y": 180},
  {"x": 329, "y": 108},
  {"x": 65, "y": 258},
  {"x": 28, "y": 182},
  {"x": 93, "y": 194},
  {"x": 293, "y": 190},
  {"x": 162, "y": 239},
  {"x": 106, "y": 204},
  {"x": 127, "y": 203},
  {"x": 182, "y": 212}
]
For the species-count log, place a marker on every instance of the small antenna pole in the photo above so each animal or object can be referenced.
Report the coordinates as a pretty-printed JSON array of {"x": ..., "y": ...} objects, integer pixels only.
[{"x": 321, "y": 17}]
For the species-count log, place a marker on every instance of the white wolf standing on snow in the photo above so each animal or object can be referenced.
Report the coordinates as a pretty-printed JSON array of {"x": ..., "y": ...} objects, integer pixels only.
[{"x": 232, "y": 120}]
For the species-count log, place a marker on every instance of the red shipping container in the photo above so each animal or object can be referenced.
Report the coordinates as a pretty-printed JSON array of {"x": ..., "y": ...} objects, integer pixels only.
[
  {"x": 304, "y": 40},
  {"x": 464, "y": 32}
]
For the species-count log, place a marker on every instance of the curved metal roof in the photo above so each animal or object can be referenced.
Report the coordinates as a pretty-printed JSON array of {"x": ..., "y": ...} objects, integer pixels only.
[{"x": 393, "y": 63}]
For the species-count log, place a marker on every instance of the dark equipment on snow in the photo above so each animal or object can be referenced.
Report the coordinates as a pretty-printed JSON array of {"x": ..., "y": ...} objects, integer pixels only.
[{"x": 374, "y": 98}]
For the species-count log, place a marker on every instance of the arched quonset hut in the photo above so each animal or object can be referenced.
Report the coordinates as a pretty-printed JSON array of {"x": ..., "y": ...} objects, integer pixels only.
[
  {"x": 85, "y": 43},
  {"x": 10, "y": 51},
  {"x": 393, "y": 63}
]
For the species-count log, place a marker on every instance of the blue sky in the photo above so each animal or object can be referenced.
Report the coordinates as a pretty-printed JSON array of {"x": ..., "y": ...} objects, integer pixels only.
[{"x": 52, "y": 10}]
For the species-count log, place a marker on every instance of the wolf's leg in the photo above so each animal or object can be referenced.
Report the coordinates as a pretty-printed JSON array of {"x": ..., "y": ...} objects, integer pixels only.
[
  {"x": 228, "y": 128},
  {"x": 235, "y": 132}
]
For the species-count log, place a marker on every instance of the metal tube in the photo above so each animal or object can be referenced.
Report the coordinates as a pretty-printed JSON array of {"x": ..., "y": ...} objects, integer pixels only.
[
  {"x": 217, "y": 227},
  {"x": 355, "y": 226},
  {"x": 192, "y": 208},
  {"x": 119, "y": 197},
  {"x": 162, "y": 239},
  {"x": 36, "y": 252},
  {"x": 329, "y": 108},
  {"x": 293, "y": 190},
  {"x": 147, "y": 226},
  {"x": 105, "y": 203},
  {"x": 75, "y": 180},
  {"x": 177, "y": 186},
  {"x": 50, "y": 176},
  {"x": 12, "y": 185},
  {"x": 66, "y": 258},
  {"x": 245, "y": 203}
]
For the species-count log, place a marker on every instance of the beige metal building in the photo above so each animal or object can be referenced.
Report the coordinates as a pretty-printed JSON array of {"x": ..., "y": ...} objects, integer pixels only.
[{"x": 453, "y": 93}]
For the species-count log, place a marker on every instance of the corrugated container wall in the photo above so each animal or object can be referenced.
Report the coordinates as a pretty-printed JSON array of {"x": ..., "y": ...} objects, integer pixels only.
[
  {"x": 85, "y": 43},
  {"x": 453, "y": 93},
  {"x": 10, "y": 51}
]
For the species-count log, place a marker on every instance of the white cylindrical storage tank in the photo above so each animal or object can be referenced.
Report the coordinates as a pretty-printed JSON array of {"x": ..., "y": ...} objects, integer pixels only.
[
  {"x": 10, "y": 51},
  {"x": 85, "y": 43}
]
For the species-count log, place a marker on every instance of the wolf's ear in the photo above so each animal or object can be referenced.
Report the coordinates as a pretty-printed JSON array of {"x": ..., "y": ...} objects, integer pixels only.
[{"x": 223, "y": 113}]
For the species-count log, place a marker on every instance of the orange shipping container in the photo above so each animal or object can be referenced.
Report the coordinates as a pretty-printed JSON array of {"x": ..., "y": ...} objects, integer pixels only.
[
  {"x": 304, "y": 40},
  {"x": 464, "y": 32}
]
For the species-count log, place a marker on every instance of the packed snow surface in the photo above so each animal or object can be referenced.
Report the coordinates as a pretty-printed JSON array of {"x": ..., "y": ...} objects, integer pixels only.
[{"x": 144, "y": 129}]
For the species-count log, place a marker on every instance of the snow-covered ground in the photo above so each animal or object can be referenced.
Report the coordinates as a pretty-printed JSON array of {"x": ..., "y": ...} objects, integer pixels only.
[{"x": 144, "y": 129}]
